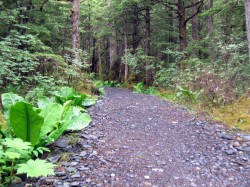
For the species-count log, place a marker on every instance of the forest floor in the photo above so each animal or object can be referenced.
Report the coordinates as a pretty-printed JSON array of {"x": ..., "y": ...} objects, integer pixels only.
[{"x": 141, "y": 140}]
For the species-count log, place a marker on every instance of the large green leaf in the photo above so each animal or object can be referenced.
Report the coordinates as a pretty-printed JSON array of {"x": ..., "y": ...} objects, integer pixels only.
[
  {"x": 36, "y": 168},
  {"x": 89, "y": 102},
  {"x": 78, "y": 99},
  {"x": 65, "y": 94},
  {"x": 25, "y": 122},
  {"x": 51, "y": 116},
  {"x": 76, "y": 120},
  {"x": 43, "y": 102},
  {"x": 54, "y": 135},
  {"x": 79, "y": 122},
  {"x": 8, "y": 100}
]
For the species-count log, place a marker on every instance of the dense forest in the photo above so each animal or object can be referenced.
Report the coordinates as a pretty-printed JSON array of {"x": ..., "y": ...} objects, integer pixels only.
[
  {"x": 195, "y": 51},
  {"x": 194, "y": 44}
]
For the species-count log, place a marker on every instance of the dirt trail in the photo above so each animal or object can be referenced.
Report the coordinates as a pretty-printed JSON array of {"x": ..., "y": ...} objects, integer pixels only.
[{"x": 141, "y": 140}]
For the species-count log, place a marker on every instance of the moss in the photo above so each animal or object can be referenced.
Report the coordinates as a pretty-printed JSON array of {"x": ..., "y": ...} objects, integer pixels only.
[
  {"x": 236, "y": 114},
  {"x": 3, "y": 123}
]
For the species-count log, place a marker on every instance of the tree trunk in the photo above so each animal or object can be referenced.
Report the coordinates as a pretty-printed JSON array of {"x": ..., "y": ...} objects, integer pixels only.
[
  {"x": 182, "y": 25},
  {"x": 195, "y": 29},
  {"x": 126, "y": 45},
  {"x": 209, "y": 28},
  {"x": 99, "y": 62},
  {"x": 209, "y": 22},
  {"x": 147, "y": 41},
  {"x": 94, "y": 61},
  {"x": 76, "y": 31},
  {"x": 247, "y": 13},
  {"x": 136, "y": 23}
]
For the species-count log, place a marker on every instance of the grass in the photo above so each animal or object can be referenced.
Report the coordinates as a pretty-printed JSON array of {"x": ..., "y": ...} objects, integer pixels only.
[{"x": 236, "y": 114}]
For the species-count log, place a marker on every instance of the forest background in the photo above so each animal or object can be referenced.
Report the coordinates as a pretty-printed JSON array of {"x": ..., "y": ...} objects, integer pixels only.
[{"x": 191, "y": 51}]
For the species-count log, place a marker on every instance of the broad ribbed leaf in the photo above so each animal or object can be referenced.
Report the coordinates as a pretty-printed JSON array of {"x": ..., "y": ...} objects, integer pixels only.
[
  {"x": 89, "y": 102},
  {"x": 51, "y": 116},
  {"x": 76, "y": 120},
  {"x": 25, "y": 122},
  {"x": 65, "y": 94},
  {"x": 43, "y": 102},
  {"x": 8, "y": 100},
  {"x": 79, "y": 122}
]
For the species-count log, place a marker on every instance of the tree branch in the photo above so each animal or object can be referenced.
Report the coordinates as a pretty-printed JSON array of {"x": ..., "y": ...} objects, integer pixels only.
[
  {"x": 198, "y": 10},
  {"x": 194, "y": 4}
]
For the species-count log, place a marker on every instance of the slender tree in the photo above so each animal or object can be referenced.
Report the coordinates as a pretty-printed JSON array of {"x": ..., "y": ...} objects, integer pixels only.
[
  {"x": 247, "y": 14},
  {"x": 76, "y": 31}
]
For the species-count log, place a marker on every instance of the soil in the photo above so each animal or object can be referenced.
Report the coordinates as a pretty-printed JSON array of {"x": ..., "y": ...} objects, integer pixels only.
[{"x": 141, "y": 140}]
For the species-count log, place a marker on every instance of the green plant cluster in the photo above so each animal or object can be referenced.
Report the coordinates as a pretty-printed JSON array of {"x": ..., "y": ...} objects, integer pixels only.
[
  {"x": 35, "y": 126},
  {"x": 139, "y": 88}
]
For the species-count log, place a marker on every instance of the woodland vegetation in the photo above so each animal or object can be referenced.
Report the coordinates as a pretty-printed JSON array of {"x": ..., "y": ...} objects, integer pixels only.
[{"x": 190, "y": 50}]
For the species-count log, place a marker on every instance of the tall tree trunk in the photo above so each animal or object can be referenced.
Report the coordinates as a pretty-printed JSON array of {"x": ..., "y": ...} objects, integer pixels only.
[
  {"x": 126, "y": 45},
  {"x": 209, "y": 22},
  {"x": 76, "y": 31},
  {"x": 147, "y": 41},
  {"x": 195, "y": 24},
  {"x": 89, "y": 34},
  {"x": 113, "y": 48},
  {"x": 136, "y": 23},
  {"x": 99, "y": 61},
  {"x": 182, "y": 25},
  {"x": 247, "y": 13},
  {"x": 94, "y": 61},
  {"x": 209, "y": 28}
]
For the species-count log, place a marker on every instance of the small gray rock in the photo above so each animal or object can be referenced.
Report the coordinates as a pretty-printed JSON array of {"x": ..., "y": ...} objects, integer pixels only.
[
  {"x": 55, "y": 159},
  {"x": 71, "y": 169},
  {"x": 75, "y": 183},
  {"x": 76, "y": 175},
  {"x": 62, "y": 143},
  {"x": 230, "y": 152}
]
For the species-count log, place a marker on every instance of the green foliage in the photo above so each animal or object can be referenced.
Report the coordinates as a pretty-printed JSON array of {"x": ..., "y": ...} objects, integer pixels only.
[
  {"x": 45, "y": 124},
  {"x": 188, "y": 94},
  {"x": 51, "y": 114},
  {"x": 75, "y": 119},
  {"x": 17, "y": 61},
  {"x": 111, "y": 84},
  {"x": 67, "y": 93},
  {"x": 26, "y": 122},
  {"x": 36, "y": 168},
  {"x": 12, "y": 152},
  {"x": 8, "y": 100},
  {"x": 138, "y": 87}
]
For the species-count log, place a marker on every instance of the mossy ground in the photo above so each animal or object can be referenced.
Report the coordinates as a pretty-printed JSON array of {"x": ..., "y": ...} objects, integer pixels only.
[
  {"x": 3, "y": 123},
  {"x": 236, "y": 114}
]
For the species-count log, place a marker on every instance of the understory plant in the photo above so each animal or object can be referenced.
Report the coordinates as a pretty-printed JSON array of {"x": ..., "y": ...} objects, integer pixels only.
[
  {"x": 16, "y": 158},
  {"x": 31, "y": 127}
]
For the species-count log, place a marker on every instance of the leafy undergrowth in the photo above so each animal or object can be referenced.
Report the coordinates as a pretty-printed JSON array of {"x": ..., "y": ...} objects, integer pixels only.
[
  {"x": 49, "y": 117},
  {"x": 236, "y": 114}
]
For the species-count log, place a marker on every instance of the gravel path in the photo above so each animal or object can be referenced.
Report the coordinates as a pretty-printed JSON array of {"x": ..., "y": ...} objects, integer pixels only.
[{"x": 141, "y": 140}]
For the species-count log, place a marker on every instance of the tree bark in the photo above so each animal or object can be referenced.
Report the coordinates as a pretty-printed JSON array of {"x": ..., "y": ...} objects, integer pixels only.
[
  {"x": 99, "y": 62},
  {"x": 195, "y": 29},
  {"x": 182, "y": 25},
  {"x": 76, "y": 31},
  {"x": 247, "y": 14},
  {"x": 147, "y": 41},
  {"x": 209, "y": 22},
  {"x": 209, "y": 28},
  {"x": 136, "y": 23},
  {"x": 126, "y": 45}
]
